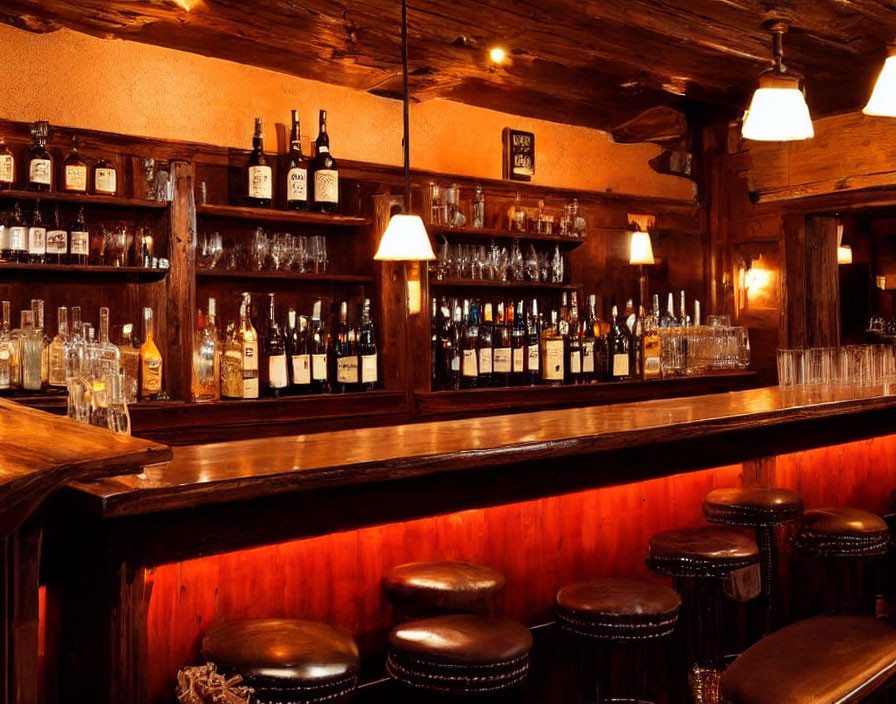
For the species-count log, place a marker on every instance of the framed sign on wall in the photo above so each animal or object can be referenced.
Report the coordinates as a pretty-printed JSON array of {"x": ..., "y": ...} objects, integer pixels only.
[{"x": 519, "y": 155}]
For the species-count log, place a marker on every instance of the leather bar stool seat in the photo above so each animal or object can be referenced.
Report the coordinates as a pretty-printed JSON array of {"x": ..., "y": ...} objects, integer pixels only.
[
  {"x": 704, "y": 552},
  {"x": 842, "y": 532},
  {"x": 819, "y": 660},
  {"x": 422, "y": 589},
  {"x": 752, "y": 506},
  {"x": 460, "y": 654},
  {"x": 286, "y": 661},
  {"x": 616, "y": 609}
]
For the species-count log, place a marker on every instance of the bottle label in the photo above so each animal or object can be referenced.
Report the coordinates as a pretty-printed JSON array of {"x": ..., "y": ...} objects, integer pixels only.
[
  {"x": 326, "y": 186},
  {"x": 152, "y": 376},
  {"x": 39, "y": 171},
  {"x": 37, "y": 240},
  {"x": 106, "y": 181},
  {"x": 76, "y": 178},
  {"x": 4, "y": 237},
  {"x": 301, "y": 369},
  {"x": 519, "y": 359},
  {"x": 297, "y": 185},
  {"x": 575, "y": 362},
  {"x": 347, "y": 370},
  {"x": 17, "y": 238},
  {"x": 588, "y": 358},
  {"x": 250, "y": 359},
  {"x": 485, "y": 361},
  {"x": 7, "y": 168},
  {"x": 620, "y": 364},
  {"x": 553, "y": 360},
  {"x": 80, "y": 243},
  {"x": 534, "y": 358},
  {"x": 277, "y": 376},
  {"x": 455, "y": 363},
  {"x": 57, "y": 242},
  {"x": 368, "y": 369},
  {"x": 651, "y": 367},
  {"x": 503, "y": 360},
  {"x": 319, "y": 367},
  {"x": 470, "y": 366},
  {"x": 260, "y": 182},
  {"x": 250, "y": 387}
]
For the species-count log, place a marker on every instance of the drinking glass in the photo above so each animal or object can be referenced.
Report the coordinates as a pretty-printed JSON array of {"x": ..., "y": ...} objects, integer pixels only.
[{"x": 259, "y": 249}]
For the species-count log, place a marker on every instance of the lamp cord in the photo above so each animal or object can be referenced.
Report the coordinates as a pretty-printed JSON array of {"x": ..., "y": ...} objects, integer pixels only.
[{"x": 406, "y": 116}]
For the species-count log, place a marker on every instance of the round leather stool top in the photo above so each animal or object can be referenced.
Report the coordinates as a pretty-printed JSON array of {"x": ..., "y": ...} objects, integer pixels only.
[
  {"x": 442, "y": 586},
  {"x": 286, "y": 660},
  {"x": 752, "y": 506},
  {"x": 462, "y": 653},
  {"x": 618, "y": 609},
  {"x": 842, "y": 532},
  {"x": 708, "y": 551}
]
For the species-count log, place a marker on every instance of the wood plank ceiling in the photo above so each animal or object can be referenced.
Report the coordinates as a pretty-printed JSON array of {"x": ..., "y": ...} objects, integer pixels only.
[{"x": 597, "y": 63}]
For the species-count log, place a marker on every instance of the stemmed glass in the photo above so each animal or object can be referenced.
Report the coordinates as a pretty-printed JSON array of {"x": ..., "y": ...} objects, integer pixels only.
[{"x": 259, "y": 249}]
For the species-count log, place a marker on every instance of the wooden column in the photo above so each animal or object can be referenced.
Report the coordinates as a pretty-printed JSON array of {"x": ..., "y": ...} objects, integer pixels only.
[
  {"x": 793, "y": 321},
  {"x": 822, "y": 282},
  {"x": 181, "y": 306}
]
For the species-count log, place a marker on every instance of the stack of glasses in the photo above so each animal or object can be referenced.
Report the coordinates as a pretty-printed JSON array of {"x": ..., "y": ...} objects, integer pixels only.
[
  {"x": 865, "y": 370},
  {"x": 690, "y": 350}
]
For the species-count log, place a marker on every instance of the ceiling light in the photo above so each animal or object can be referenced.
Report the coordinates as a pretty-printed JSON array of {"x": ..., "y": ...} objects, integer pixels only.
[
  {"x": 497, "y": 55},
  {"x": 883, "y": 97}
]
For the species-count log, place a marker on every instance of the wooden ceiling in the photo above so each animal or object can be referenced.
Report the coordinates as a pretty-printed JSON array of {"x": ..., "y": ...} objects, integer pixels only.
[{"x": 598, "y": 63}]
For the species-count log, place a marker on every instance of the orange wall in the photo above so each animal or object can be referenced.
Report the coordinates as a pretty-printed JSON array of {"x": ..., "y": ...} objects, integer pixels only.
[{"x": 119, "y": 86}]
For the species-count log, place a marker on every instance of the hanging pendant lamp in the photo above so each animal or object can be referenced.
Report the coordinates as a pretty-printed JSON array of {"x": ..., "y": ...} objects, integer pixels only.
[
  {"x": 405, "y": 238},
  {"x": 883, "y": 97},
  {"x": 778, "y": 111}
]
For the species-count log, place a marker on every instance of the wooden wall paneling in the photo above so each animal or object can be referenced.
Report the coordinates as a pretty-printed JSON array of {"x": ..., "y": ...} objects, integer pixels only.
[
  {"x": 822, "y": 282},
  {"x": 180, "y": 321},
  {"x": 795, "y": 318}
]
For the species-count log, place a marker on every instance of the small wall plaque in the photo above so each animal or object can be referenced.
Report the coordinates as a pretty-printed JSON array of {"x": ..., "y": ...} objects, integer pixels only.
[{"x": 519, "y": 155}]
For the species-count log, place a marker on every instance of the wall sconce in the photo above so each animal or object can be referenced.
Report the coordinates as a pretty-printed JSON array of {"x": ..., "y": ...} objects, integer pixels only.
[
  {"x": 844, "y": 251},
  {"x": 640, "y": 251}
]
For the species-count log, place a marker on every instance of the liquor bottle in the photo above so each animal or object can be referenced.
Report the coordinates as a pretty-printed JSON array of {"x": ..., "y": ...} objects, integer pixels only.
[
  {"x": 206, "y": 379},
  {"x": 502, "y": 366},
  {"x": 452, "y": 348},
  {"x": 297, "y": 170},
  {"x": 636, "y": 348},
  {"x": 57, "y": 349},
  {"x": 37, "y": 237},
  {"x": 617, "y": 347},
  {"x": 7, "y": 167},
  {"x": 79, "y": 240},
  {"x": 517, "y": 215},
  {"x": 518, "y": 345},
  {"x": 684, "y": 318},
  {"x": 668, "y": 319},
  {"x": 478, "y": 208},
  {"x": 436, "y": 326},
  {"x": 130, "y": 363},
  {"x": 325, "y": 172},
  {"x": 40, "y": 163},
  {"x": 32, "y": 352},
  {"x": 277, "y": 376},
  {"x": 259, "y": 178},
  {"x": 486, "y": 347},
  {"x": 533, "y": 345},
  {"x": 299, "y": 353},
  {"x": 18, "y": 237},
  {"x": 74, "y": 171},
  {"x": 589, "y": 342},
  {"x": 367, "y": 349},
  {"x": 470, "y": 360},
  {"x": 107, "y": 362},
  {"x": 553, "y": 353},
  {"x": 320, "y": 378},
  {"x": 232, "y": 364},
  {"x": 57, "y": 241},
  {"x": 652, "y": 343},
  {"x": 346, "y": 354},
  {"x": 629, "y": 316},
  {"x": 248, "y": 339},
  {"x": 574, "y": 346},
  {"x": 73, "y": 345},
  {"x": 105, "y": 178},
  {"x": 7, "y": 350},
  {"x": 150, "y": 361},
  {"x": 15, "y": 360}
]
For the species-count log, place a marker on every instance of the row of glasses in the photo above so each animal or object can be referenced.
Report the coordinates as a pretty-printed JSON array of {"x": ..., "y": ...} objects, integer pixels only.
[
  {"x": 280, "y": 251},
  {"x": 494, "y": 263},
  {"x": 855, "y": 366}
]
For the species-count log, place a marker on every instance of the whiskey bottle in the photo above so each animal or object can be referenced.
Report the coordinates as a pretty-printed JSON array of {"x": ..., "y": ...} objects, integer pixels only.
[
  {"x": 259, "y": 177},
  {"x": 74, "y": 171},
  {"x": 7, "y": 350},
  {"x": 248, "y": 339},
  {"x": 553, "y": 353},
  {"x": 503, "y": 356},
  {"x": 518, "y": 345},
  {"x": 320, "y": 378},
  {"x": 37, "y": 238},
  {"x": 325, "y": 172},
  {"x": 105, "y": 178},
  {"x": 589, "y": 342},
  {"x": 575, "y": 352},
  {"x": 57, "y": 349},
  {"x": 18, "y": 237},
  {"x": 40, "y": 163},
  {"x": 486, "y": 347},
  {"x": 299, "y": 353},
  {"x": 7, "y": 167},
  {"x": 533, "y": 345},
  {"x": 636, "y": 348},
  {"x": 150, "y": 361},
  {"x": 232, "y": 364},
  {"x": 470, "y": 359},
  {"x": 57, "y": 241},
  {"x": 130, "y": 363},
  {"x": 617, "y": 347},
  {"x": 346, "y": 354},
  {"x": 206, "y": 379},
  {"x": 297, "y": 170},
  {"x": 79, "y": 240},
  {"x": 275, "y": 351},
  {"x": 367, "y": 349}
]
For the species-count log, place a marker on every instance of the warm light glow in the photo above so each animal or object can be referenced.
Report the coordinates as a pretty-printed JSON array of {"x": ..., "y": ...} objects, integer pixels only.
[
  {"x": 497, "y": 55},
  {"x": 844, "y": 254},
  {"x": 883, "y": 97},
  {"x": 641, "y": 249},
  {"x": 756, "y": 279},
  {"x": 778, "y": 111},
  {"x": 405, "y": 240},
  {"x": 186, "y": 4}
]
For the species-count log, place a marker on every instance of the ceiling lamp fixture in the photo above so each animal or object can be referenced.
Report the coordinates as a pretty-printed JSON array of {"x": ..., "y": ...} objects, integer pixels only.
[
  {"x": 497, "y": 55},
  {"x": 778, "y": 111},
  {"x": 883, "y": 97},
  {"x": 405, "y": 238}
]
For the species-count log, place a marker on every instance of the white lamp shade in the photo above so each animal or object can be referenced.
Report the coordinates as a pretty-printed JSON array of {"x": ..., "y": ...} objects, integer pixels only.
[
  {"x": 641, "y": 249},
  {"x": 405, "y": 240},
  {"x": 778, "y": 111},
  {"x": 844, "y": 254},
  {"x": 883, "y": 97}
]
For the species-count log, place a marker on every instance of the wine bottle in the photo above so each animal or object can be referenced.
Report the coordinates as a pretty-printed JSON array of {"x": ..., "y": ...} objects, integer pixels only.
[
  {"x": 248, "y": 339},
  {"x": 105, "y": 178},
  {"x": 367, "y": 349},
  {"x": 589, "y": 342},
  {"x": 57, "y": 241},
  {"x": 297, "y": 170},
  {"x": 79, "y": 240},
  {"x": 470, "y": 359},
  {"x": 553, "y": 353},
  {"x": 320, "y": 380},
  {"x": 452, "y": 347},
  {"x": 346, "y": 354},
  {"x": 325, "y": 172},
  {"x": 259, "y": 178},
  {"x": 275, "y": 351},
  {"x": 40, "y": 163},
  {"x": 74, "y": 171},
  {"x": 486, "y": 347},
  {"x": 16, "y": 232},
  {"x": 636, "y": 347},
  {"x": 7, "y": 167},
  {"x": 37, "y": 237},
  {"x": 299, "y": 354},
  {"x": 574, "y": 342},
  {"x": 503, "y": 357},
  {"x": 533, "y": 345},
  {"x": 518, "y": 345},
  {"x": 617, "y": 346}
]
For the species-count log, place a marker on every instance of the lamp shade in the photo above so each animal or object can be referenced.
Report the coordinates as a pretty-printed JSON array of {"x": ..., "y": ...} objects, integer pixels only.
[
  {"x": 883, "y": 97},
  {"x": 778, "y": 111},
  {"x": 405, "y": 240},
  {"x": 844, "y": 254},
  {"x": 641, "y": 249}
]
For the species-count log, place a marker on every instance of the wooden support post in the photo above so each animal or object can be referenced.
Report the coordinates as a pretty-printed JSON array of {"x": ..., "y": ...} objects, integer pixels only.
[{"x": 181, "y": 307}]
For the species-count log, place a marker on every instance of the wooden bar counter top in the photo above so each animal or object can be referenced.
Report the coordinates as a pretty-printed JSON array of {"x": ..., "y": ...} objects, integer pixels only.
[{"x": 716, "y": 428}]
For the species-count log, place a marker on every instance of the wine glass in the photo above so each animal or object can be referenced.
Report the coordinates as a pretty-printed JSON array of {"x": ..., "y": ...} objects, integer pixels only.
[{"x": 260, "y": 247}]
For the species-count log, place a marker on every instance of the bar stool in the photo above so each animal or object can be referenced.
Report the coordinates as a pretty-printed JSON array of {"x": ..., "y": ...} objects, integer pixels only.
[
  {"x": 698, "y": 560},
  {"x": 614, "y": 611},
  {"x": 286, "y": 661},
  {"x": 760, "y": 508},
  {"x": 835, "y": 534},
  {"x": 466, "y": 656},
  {"x": 424, "y": 589}
]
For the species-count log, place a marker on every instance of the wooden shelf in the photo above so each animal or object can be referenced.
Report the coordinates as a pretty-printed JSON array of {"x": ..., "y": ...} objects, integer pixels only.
[
  {"x": 290, "y": 275},
  {"x": 84, "y": 199},
  {"x": 490, "y": 283},
  {"x": 272, "y": 215},
  {"x": 488, "y": 233},
  {"x": 68, "y": 270}
]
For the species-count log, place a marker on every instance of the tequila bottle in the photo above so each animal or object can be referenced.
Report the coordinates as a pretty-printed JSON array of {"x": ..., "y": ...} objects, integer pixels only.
[{"x": 150, "y": 361}]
